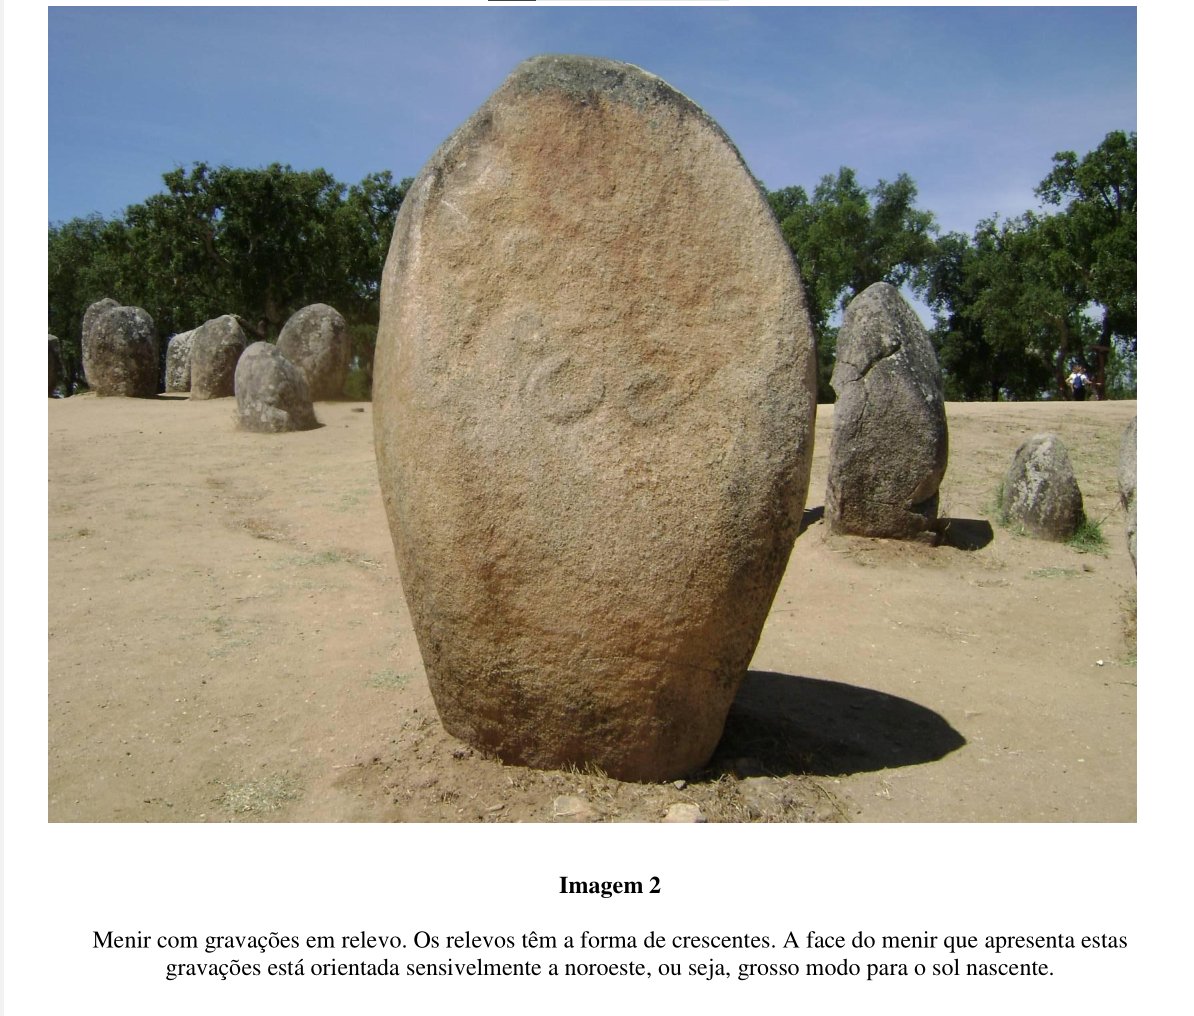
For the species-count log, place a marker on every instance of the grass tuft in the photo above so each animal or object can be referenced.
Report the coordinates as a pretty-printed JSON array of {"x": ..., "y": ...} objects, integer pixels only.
[
  {"x": 388, "y": 679},
  {"x": 259, "y": 796},
  {"x": 998, "y": 505},
  {"x": 1054, "y": 573},
  {"x": 1088, "y": 538}
]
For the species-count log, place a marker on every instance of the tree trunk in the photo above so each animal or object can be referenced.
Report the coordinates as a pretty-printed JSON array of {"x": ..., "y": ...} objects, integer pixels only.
[
  {"x": 1102, "y": 351},
  {"x": 1059, "y": 361},
  {"x": 273, "y": 313}
]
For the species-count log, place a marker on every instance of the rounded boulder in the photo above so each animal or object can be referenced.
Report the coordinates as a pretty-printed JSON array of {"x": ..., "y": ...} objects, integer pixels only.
[
  {"x": 216, "y": 345},
  {"x": 316, "y": 340},
  {"x": 271, "y": 392},
  {"x": 122, "y": 353},
  {"x": 90, "y": 316},
  {"x": 1040, "y": 494},
  {"x": 178, "y": 362}
]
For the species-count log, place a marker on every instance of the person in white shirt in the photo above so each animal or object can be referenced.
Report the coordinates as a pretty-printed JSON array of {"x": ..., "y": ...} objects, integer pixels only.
[{"x": 1078, "y": 382}]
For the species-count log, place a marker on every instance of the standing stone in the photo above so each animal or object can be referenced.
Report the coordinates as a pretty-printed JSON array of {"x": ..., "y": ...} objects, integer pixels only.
[
  {"x": 316, "y": 340},
  {"x": 271, "y": 392},
  {"x": 890, "y": 441},
  {"x": 215, "y": 347},
  {"x": 593, "y": 404},
  {"x": 178, "y": 362},
  {"x": 123, "y": 353},
  {"x": 1040, "y": 493},
  {"x": 1127, "y": 483},
  {"x": 57, "y": 374},
  {"x": 90, "y": 316}
]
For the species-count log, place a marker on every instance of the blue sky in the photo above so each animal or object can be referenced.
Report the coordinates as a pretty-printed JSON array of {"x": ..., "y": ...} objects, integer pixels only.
[{"x": 971, "y": 102}]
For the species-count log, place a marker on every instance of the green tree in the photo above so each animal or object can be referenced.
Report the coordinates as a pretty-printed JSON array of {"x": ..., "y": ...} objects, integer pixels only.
[
  {"x": 1096, "y": 238},
  {"x": 846, "y": 238},
  {"x": 367, "y": 219},
  {"x": 1023, "y": 300},
  {"x": 83, "y": 256},
  {"x": 257, "y": 243},
  {"x": 367, "y": 225},
  {"x": 997, "y": 333}
]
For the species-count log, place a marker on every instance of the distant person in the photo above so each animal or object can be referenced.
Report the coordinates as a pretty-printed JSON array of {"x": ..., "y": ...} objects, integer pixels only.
[{"x": 1079, "y": 383}]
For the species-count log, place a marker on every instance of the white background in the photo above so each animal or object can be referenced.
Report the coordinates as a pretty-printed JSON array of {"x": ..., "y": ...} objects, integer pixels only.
[{"x": 64, "y": 882}]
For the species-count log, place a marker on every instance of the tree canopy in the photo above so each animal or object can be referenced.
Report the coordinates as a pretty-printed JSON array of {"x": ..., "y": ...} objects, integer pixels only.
[
  {"x": 258, "y": 243},
  {"x": 993, "y": 321},
  {"x": 846, "y": 238},
  {"x": 1023, "y": 301},
  {"x": 1016, "y": 304}
]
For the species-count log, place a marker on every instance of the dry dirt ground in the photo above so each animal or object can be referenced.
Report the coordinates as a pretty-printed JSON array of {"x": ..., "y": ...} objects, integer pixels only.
[{"x": 228, "y": 642}]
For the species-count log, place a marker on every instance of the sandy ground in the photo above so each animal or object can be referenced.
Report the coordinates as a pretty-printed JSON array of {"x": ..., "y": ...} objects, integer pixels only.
[{"x": 228, "y": 642}]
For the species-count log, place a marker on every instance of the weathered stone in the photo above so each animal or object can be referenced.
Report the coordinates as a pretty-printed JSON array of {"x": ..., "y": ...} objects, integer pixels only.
[
  {"x": 90, "y": 316},
  {"x": 216, "y": 345},
  {"x": 122, "y": 353},
  {"x": 55, "y": 366},
  {"x": 593, "y": 403},
  {"x": 178, "y": 362},
  {"x": 1040, "y": 494},
  {"x": 890, "y": 441},
  {"x": 1127, "y": 483},
  {"x": 316, "y": 340},
  {"x": 271, "y": 392}
]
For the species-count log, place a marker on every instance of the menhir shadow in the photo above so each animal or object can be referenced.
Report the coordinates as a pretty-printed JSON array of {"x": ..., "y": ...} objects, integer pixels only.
[
  {"x": 810, "y": 516},
  {"x": 965, "y": 534},
  {"x": 781, "y": 725}
]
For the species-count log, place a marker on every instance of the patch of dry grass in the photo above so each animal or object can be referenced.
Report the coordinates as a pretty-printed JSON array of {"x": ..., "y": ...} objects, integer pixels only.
[
  {"x": 1054, "y": 573},
  {"x": 259, "y": 797},
  {"x": 389, "y": 679}
]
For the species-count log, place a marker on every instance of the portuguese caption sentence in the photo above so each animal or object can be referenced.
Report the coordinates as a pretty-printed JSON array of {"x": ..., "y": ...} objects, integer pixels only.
[{"x": 715, "y": 954}]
